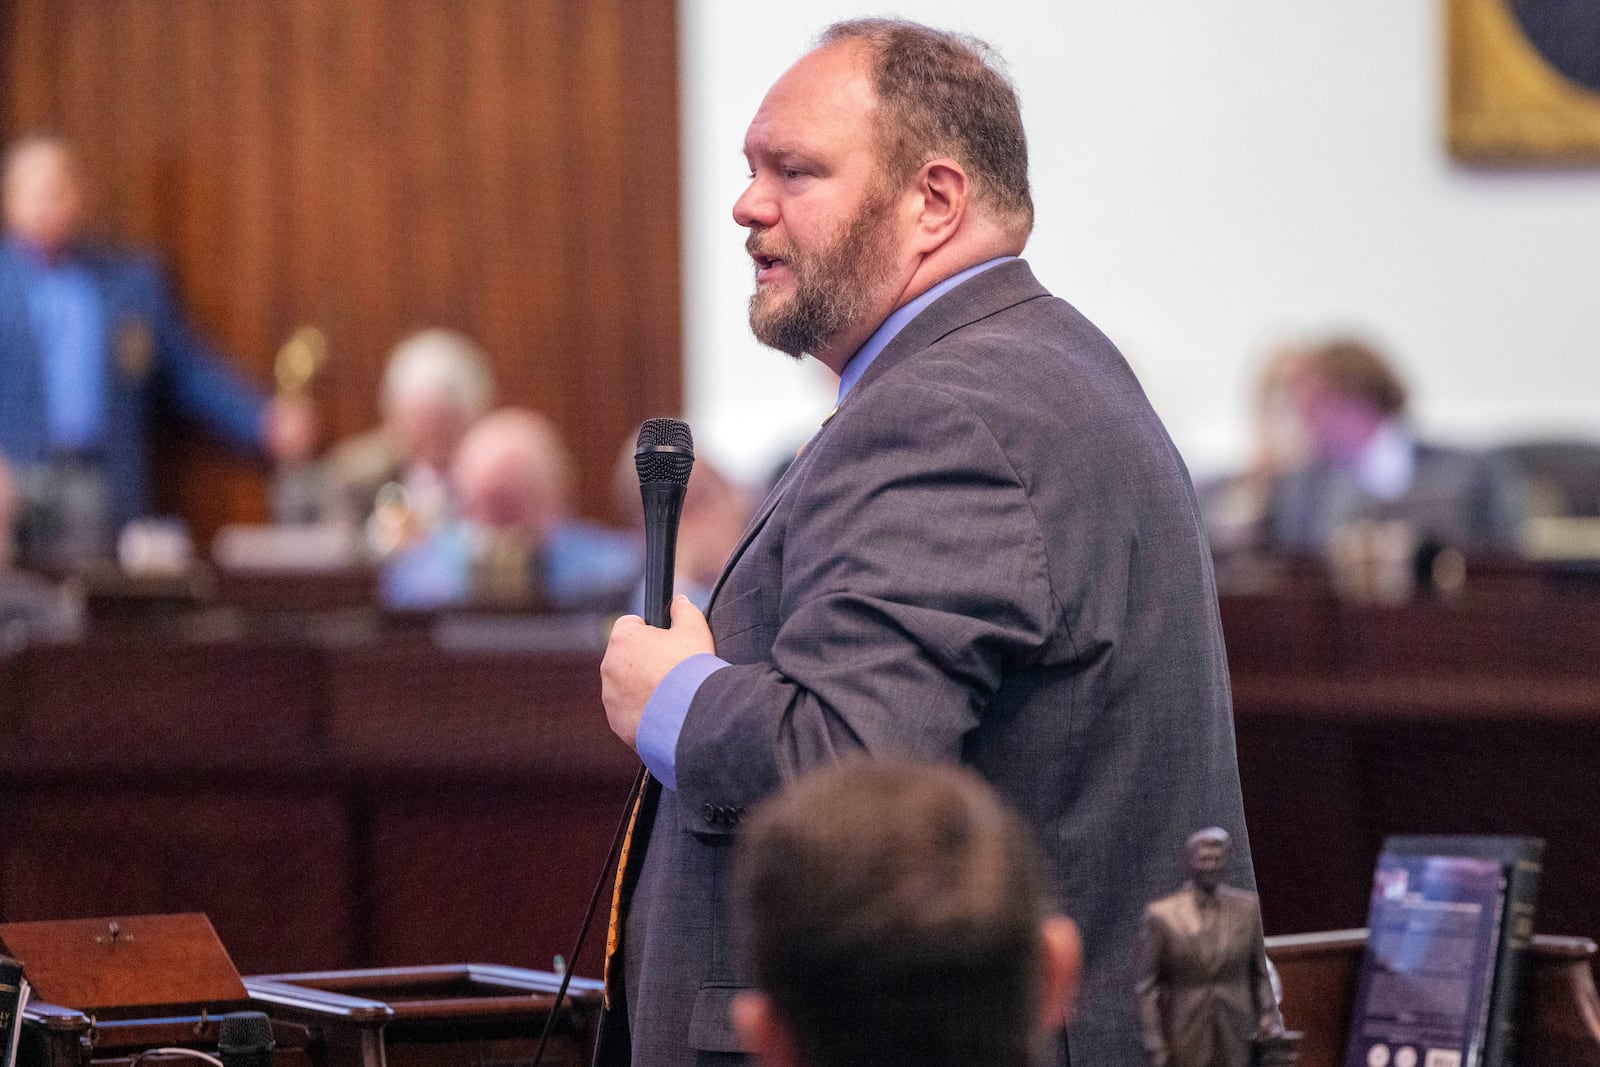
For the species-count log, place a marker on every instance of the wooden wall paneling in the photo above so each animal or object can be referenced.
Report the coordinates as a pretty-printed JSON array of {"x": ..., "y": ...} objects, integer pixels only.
[
  {"x": 541, "y": 355},
  {"x": 489, "y": 876},
  {"x": 652, "y": 122},
  {"x": 253, "y": 137},
  {"x": 310, "y": 132},
  {"x": 1313, "y": 861},
  {"x": 1497, "y": 777},
  {"x": 594, "y": 179},
  {"x": 138, "y": 707},
  {"x": 506, "y": 168},
  {"x": 502, "y": 130},
  {"x": 141, "y": 189},
  {"x": 271, "y": 869},
  {"x": 372, "y": 164},
  {"x": 474, "y": 711},
  {"x": 434, "y": 207}
]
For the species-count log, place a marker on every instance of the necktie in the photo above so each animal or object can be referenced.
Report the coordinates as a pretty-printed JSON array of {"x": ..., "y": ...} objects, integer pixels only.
[{"x": 614, "y": 924}]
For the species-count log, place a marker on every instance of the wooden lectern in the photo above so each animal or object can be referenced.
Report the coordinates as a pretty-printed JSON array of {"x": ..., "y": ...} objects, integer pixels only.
[
  {"x": 112, "y": 990},
  {"x": 1319, "y": 974},
  {"x": 107, "y": 990}
]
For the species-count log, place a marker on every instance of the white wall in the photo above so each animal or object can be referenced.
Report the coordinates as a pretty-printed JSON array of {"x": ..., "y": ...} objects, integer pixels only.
[{"x": 1208, "y": 178}]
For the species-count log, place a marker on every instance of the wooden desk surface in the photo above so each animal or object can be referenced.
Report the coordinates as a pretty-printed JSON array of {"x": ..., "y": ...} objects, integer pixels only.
[{"x": 339, "y": 789}]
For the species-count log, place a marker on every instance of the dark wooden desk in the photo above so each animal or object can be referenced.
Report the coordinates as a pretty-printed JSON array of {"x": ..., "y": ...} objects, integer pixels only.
[
  {"x": 388, "y": 802},
  {"x": 1474, "y": 716},
  {"x": 337, "y": 789}
]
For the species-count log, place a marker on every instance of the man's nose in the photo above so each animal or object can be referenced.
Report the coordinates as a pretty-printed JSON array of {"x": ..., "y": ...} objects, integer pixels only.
[{"x": 755, "y": 207}]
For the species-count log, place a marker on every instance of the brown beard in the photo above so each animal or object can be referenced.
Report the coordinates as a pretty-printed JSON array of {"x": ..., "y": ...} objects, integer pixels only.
[{"x": 833, "y": 287}]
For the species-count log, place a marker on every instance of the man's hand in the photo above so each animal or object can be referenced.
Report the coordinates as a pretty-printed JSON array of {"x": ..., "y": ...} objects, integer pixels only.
[{"x": 639, "y": 656}]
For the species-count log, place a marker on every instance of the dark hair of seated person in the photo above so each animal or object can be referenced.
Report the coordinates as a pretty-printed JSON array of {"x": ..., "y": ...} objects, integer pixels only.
[{"x": 891, "y": 915}]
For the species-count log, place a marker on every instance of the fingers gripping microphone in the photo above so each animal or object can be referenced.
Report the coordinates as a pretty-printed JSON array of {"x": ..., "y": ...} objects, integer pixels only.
[{"x": 663, "y": 456}]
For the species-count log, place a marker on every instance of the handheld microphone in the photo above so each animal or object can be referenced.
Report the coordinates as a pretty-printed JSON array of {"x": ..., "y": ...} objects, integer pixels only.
[
  {"x": 663, "y": 456},
  {"x": 244, "y": 1039}
]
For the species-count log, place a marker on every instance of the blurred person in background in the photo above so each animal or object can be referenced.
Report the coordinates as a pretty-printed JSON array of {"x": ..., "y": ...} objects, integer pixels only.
[
  {"x": 435, "y": 384},
  {"x": 30, "y": 606},
  {"x": 1235, "y": 507},
  {"x": 514, "y": 540},
  {"x": 1366, "y": 463},
  {"x": 91, "y": 341}
]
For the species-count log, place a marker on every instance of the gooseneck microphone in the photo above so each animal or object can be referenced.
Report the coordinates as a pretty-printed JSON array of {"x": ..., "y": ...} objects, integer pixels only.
[{"x": 663, "y": 456}]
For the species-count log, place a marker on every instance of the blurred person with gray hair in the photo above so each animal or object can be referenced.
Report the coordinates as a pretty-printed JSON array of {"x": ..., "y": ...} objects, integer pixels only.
[
  {"x": 512, "y": 538},
  {"x": 436, "y": 383}
]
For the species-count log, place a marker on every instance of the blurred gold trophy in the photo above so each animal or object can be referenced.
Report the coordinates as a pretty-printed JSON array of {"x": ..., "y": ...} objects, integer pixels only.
[
  {"x": 298, "y": 493},
  {"x": 298, "y": 362}
]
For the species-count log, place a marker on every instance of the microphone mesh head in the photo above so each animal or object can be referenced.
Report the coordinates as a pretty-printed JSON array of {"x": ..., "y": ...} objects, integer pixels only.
[
  {"x": 664, "y": 451},
  {"x": 244, "y": 1031}
]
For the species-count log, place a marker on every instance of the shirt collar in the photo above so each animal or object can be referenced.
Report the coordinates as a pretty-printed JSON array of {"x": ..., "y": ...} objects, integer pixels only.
[
  {"x": 897, "y": 321},
  {"x": 1387, "y": 463}
]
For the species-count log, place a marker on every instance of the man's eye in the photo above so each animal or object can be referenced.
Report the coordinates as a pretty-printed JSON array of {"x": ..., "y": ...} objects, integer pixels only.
[{"x": 790, "y": 172}]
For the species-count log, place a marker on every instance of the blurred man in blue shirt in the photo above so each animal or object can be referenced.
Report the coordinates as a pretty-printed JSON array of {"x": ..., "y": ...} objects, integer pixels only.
[{"x": 90, "y": 340}]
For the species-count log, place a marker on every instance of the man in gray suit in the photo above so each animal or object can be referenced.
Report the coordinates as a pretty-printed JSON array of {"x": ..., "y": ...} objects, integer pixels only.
[{"x": 989, "y": 553}]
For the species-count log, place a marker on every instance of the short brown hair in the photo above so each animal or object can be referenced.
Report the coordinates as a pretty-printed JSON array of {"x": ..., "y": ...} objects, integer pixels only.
[
  {"x": 1354, "y": 367},
  {"x": 892, "y": 913},
  {"x": 942, "y": 94}
]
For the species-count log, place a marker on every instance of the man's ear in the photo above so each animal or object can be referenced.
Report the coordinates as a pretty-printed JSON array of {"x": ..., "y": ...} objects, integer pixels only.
[
  {"x": 1063, "y": 955},
  {"x": 762, "y": 1032},
  {"x": 942, "y": 188}
]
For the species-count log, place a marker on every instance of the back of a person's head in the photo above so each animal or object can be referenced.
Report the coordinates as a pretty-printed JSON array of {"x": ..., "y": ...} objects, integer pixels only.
[
  {"x": 1353, "y": 367},
  {"x": 891, "y": 914}
]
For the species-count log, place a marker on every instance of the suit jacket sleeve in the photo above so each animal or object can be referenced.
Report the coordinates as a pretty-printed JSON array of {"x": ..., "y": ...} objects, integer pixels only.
[
  {"x": 913, "y": 571},
  {"x": 199, "y": 381}
]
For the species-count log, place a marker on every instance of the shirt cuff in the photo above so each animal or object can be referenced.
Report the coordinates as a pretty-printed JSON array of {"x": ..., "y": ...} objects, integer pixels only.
[{"x": 664, "y": 712}]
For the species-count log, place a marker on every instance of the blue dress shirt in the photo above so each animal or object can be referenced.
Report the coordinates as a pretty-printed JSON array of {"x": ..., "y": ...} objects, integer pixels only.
[
  {"x": 668, "y": 706},
  {"x": 69, "y": 324}
]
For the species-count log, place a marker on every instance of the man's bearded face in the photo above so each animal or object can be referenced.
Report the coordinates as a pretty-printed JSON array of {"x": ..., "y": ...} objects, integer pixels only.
[{"x": 831, "y": 288}]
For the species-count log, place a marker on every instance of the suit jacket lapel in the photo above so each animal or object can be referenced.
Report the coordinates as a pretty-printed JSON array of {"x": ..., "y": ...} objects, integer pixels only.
[
  {"x": 763, "y": 513},
  {"x": 992, "y": 291}
]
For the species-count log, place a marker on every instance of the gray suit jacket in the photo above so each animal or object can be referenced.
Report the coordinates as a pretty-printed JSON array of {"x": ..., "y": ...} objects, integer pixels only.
[{"x": 991, "y": 554}]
